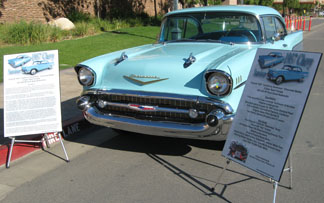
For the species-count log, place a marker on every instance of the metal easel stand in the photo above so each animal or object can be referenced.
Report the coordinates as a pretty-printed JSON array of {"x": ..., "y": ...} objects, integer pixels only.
[
  {"x": 228, "y": 161},
  {"x": 14, "y": 140},
  {"x": 275, "y": 183}
]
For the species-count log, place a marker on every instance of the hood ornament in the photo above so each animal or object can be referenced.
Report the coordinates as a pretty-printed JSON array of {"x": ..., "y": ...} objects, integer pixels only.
[
  {"x": 189, "y": 61},
  {"x": 122, "y": 57},
  {"x": 144, "y": 80}
]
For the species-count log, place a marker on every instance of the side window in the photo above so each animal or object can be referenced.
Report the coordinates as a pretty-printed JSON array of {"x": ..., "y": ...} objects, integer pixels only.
[
  {"x": 269, "y": 26},
  {"x": 279, "y": 27}
]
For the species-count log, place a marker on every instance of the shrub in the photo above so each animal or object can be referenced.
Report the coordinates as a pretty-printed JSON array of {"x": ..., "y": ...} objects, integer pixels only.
[
  {"x": 83, "y": 29},
  {"x": 78, "y": 16},
  {"x": 57, "y": 34},
  {"x": 25, "y": 33}
]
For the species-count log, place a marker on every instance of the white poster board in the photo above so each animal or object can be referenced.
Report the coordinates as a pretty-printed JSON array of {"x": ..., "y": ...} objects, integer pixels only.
[
  {"x": 31, "y": 93},
  {"x": 270, "y": 110}
]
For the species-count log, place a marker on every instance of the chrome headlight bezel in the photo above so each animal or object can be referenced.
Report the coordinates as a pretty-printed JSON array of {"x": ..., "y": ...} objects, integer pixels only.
[
  {"x": 86, "y": 75},
  {"x": 223, "y": 77}
]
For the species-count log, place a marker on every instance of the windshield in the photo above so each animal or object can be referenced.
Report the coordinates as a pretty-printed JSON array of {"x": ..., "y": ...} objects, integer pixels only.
[{"x": 211, "y": 26}]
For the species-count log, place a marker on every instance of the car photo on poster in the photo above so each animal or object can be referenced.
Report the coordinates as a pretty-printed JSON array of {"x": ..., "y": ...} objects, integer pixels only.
[
  {"x": 37, "y": 66},
  {"x": 270, "y": 60},
  {"x": 287, "y": 73},
  {"x": 19, "y": 61},
  {"x": 238, "y": 151}
]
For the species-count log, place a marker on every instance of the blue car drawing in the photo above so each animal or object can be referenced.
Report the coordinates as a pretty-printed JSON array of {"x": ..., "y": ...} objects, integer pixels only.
[
  {"x": 273, "y": 58},
  {"x": 37, "y": 66},
  {"x": 19, "y": 61},
  {"x": 286, "y": 73}
]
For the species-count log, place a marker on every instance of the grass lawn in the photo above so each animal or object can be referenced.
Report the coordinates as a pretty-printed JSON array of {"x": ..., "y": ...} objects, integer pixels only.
[{"x": 72, "y": 52}]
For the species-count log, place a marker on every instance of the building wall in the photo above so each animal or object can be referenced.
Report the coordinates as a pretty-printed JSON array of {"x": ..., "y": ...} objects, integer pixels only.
[
  {"x": 15, "y": 10},
  {"x": 46, "y": 10}
]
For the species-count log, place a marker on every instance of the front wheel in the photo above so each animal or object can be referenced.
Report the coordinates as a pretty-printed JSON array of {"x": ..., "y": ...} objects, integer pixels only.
[
  {"x": 279, "y": 80},
  {"x": 33, "y": 72}
]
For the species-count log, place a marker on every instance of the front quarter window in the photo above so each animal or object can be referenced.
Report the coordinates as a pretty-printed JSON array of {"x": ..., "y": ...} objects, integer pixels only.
[
  {"x": 273, "y": 26},
  {"x": 178, "y": 28}
]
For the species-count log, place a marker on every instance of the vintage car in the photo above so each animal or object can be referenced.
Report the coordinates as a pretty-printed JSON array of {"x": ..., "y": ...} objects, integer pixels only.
[
  {"x": 238, "y": 151},
  {"x": 286, "y": 73},
  {"x": 19, "y": 61},
  {"x": 273, "y": 58},
  {"x": 37, "y": 66},
  {"x": 189, "y": 83}
]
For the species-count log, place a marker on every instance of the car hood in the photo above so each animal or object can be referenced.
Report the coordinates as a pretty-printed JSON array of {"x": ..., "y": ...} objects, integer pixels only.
[
  {"x": 160, "y": 68},
  {"x": 15, "y": 60}
]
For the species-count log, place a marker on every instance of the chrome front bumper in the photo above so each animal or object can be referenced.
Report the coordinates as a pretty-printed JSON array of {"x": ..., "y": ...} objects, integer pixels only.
[{"x": 206, "y": 130}]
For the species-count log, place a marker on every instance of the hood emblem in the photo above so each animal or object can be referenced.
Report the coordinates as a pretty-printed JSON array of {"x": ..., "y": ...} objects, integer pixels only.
[
  {"x": 190, "y": 60},
  {"x": 122, "y": 57},
  {"x": 144, "y": 80},
  {"x": 141, "y": 107}
]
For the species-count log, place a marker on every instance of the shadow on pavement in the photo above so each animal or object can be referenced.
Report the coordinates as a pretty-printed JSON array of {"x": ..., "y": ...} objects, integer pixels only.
[{"x": 134, "y": 142}]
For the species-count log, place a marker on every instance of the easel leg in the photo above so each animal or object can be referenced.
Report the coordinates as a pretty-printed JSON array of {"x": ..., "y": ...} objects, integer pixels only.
[
  {"x": 60, "y": 137},
  {"x": 10, "y": 151},
  {"x": 275, "y": 187},
  {"x": 220, "y": 176},
  {"x": 289, "y": 169}
]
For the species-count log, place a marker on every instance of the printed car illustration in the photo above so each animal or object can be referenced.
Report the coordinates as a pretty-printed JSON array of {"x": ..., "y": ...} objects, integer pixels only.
[
  {"x": 189, "y": 83},
  {"x": 238, "y": 151},
  {"x": 286, "y": 73},
  {"x": 273, "y": 58},
  {"x": 19, "y": 61},
  {"x": 37, "y": 66}
]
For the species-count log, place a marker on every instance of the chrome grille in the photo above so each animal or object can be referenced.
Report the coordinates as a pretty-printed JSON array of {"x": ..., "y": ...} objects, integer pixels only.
[
  {"x": 167, "y": 107},
  {"x": 174, "y": 104}
]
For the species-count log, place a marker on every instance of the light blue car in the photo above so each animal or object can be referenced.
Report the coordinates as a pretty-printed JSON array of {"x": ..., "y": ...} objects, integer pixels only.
[
  {"x": 19, "y": 61},
  {"x": 37, "y": 66},
  {"x": 287, "y": 73},
  {"x": 272, "y": 59},
  {"x": 189, "y": 83}
]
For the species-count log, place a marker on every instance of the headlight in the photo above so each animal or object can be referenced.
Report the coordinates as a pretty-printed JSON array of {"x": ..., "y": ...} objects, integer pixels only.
[
  {"x": 219, "y": 83},
  {"x": 86, "y": 76}
]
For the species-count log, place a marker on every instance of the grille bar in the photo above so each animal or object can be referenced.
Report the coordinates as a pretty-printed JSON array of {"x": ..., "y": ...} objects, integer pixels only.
[
  {"x": 164, "y": 106},
  {"x": 149, "y": 108}
]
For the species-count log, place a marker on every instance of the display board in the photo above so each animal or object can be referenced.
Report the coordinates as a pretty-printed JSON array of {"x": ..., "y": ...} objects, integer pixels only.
[
  {"x": 31, "y": 93},
  {"x": 270, "y": 110}
]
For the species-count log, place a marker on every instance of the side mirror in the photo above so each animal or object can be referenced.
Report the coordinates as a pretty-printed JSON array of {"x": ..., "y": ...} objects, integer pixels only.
[{"x": 276, "y": 37}]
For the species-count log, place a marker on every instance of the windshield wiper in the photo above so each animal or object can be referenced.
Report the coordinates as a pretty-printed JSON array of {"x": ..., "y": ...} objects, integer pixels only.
[
  {"x": 214, "y": 40},
  {"x": 182, "y": 40},
  {"x": 200, "y": 40}
]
